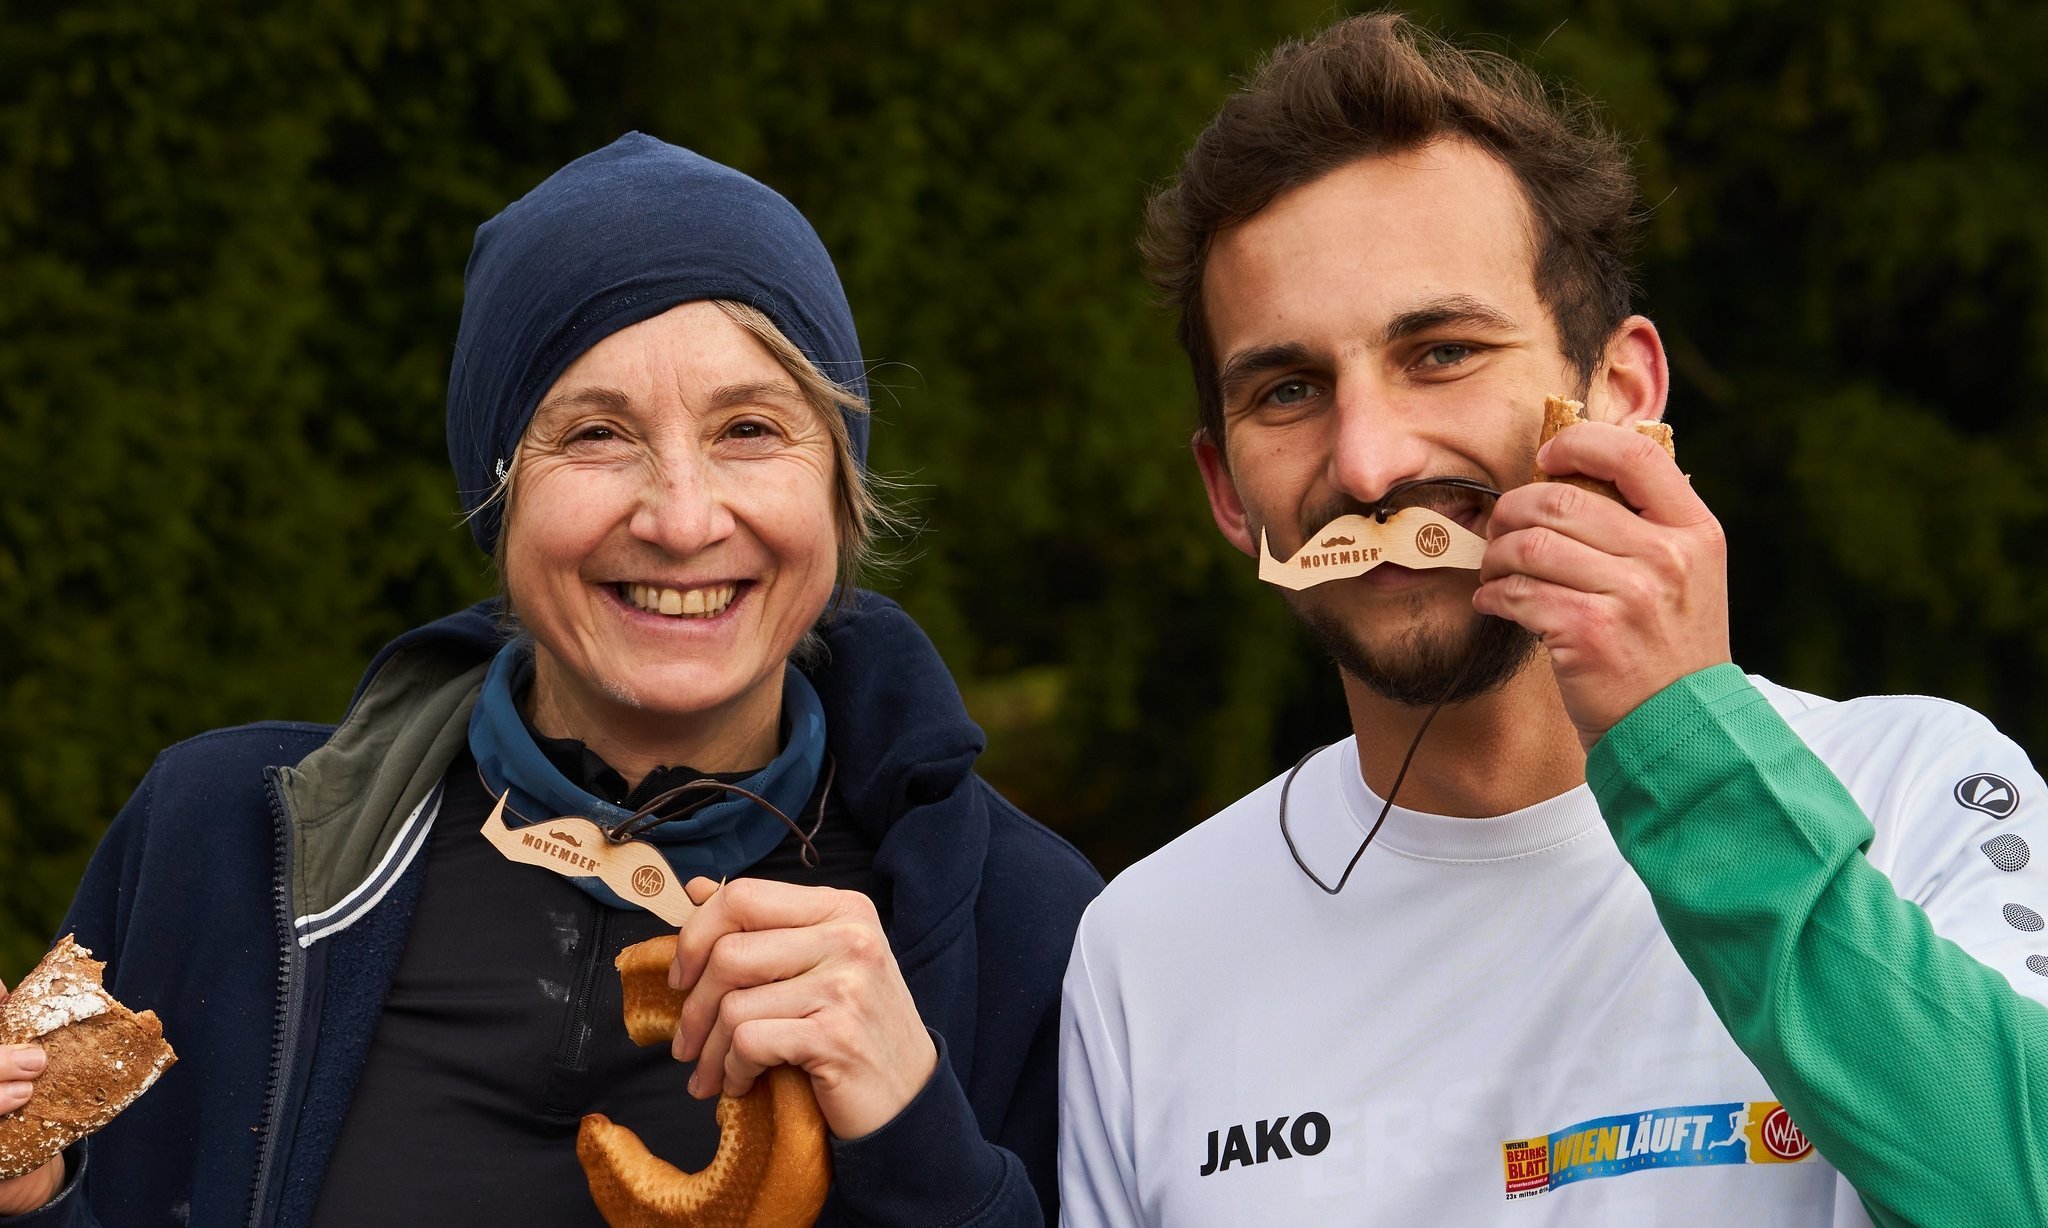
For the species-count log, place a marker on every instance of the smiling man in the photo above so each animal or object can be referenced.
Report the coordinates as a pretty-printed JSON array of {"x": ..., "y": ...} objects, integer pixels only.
[{"x": 1581, "y": 925}]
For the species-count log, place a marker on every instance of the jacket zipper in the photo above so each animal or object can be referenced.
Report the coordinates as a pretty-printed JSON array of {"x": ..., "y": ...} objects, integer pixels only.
[
  {"x": 290, "y": 965},
  {"x": 570, "y": 1059}
]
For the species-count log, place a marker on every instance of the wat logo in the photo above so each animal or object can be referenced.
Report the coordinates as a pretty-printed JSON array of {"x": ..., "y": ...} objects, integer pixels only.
[
  {"x": 1687, "y": 1136},
  {"x": 1432, "y": 540},
  {"x": 1988, "y": 794}
]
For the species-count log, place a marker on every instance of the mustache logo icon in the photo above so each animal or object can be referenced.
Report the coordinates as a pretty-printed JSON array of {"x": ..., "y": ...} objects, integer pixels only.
[{"x": 1414, "y": 537}]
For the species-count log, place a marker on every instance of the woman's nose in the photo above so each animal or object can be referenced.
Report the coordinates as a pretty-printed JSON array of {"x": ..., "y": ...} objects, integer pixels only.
[{"x": 682, "y": 507}]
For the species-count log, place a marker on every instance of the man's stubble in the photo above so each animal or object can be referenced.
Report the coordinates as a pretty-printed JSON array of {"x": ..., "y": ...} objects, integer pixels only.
[{"x": 1431, "y": 661}]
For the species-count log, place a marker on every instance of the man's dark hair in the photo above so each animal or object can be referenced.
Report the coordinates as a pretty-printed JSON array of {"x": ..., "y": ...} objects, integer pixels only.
[{"x": 1378, "y": 84}]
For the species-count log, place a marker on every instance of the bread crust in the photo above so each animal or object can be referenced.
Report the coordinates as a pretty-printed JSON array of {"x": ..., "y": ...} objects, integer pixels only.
[
  {"x": 1562, "y": 412},
  {"x": 774, "y": 1160},
  {"x": 101, "y": 1056}
]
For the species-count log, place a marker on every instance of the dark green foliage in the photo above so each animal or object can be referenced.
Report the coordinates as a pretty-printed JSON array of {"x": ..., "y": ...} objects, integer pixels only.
[{"x": 231, "y": 244}]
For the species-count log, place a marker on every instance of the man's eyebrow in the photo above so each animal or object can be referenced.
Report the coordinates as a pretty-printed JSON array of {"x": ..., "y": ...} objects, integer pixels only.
[
  {"x": 1247, "y": 365},
  {"x": 1459, "y": 309}
]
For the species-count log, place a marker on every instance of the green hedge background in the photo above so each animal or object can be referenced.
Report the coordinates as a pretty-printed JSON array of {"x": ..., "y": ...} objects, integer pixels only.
[{"x": 231, "y": 246}]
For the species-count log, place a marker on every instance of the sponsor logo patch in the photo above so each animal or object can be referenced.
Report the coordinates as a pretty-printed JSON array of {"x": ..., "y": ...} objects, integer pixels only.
[
  {"x": 1686, "y": 1136},
  {"x": 1988, "y": 794}
]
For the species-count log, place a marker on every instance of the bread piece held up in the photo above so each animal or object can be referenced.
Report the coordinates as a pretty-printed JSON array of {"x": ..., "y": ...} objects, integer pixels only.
[
  {"x": 1561, "y": 412},
  {"x": 102, "y": 1056}
]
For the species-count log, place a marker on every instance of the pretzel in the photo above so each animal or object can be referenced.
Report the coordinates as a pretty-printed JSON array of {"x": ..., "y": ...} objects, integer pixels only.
[{"x": 773, "y": 1163}]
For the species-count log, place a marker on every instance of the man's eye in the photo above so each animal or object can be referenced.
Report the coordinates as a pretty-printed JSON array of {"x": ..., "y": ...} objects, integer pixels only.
[
  {"x": 1291, "y": 392},
  {"x": 1446, "y": 355}
]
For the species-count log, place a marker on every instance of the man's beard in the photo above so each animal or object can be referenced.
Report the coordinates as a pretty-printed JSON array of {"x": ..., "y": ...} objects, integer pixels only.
[
  {"x": 1432, "y": 662},
  {"x": 1428, "y": 664}
]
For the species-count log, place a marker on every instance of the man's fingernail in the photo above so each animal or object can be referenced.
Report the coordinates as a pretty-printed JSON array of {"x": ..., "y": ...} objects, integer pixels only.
[
  {"x": 675, "y": 977},
  {"x": 16, "y": 1091},
  {"x": 31, "y": 1059}
]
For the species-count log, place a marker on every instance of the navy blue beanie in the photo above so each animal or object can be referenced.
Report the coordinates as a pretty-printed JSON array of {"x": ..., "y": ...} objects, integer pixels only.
[{"x": 616, "y": 237}]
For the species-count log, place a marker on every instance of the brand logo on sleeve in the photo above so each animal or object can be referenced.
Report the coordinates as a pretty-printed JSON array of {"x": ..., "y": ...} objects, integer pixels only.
[
  {"x": 1988, "y": 794},
  {"x": 1272, "y": 1138},
  {"x": 1686, "y": 1136}
]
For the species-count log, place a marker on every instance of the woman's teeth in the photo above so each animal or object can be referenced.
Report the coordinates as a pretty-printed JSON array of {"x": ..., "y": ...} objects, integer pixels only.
[{"x": 680, "y": 603}]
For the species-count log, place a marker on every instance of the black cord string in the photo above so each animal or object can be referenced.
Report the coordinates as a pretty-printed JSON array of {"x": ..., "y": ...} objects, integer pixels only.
[
  {"x": 1381, "y": 511},
  {"x": 1399, "y": 776},
  {"x": 646, "y": 818}
]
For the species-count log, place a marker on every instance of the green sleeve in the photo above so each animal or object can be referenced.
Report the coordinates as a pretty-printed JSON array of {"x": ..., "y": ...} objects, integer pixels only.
[{"x": 1921, "y": 1074}]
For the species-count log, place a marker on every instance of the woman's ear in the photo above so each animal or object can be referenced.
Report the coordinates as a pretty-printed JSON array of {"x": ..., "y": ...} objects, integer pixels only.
[{"x": 1634, "y": 377}]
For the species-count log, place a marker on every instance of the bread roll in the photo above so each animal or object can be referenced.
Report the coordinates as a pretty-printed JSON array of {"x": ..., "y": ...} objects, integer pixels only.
[
  {"x": 101, "y": 1056},
  {"x": 1561, "y": 412}
]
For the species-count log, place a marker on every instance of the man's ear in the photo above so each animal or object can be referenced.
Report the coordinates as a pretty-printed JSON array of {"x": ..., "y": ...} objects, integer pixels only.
[
  {"x": 1224, "y": 503},
  {"x": 1634, "y": 377}
]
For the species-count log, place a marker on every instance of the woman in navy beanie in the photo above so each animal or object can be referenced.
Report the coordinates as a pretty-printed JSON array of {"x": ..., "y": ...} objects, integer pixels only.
[{"x": 657, "y": 420}]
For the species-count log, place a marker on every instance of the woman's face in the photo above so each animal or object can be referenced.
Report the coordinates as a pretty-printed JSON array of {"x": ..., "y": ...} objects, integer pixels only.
[{"x": 670, "y": 539}]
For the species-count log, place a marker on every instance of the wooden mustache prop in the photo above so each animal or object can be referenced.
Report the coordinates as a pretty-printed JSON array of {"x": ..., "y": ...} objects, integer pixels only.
[
  {"x": 1354, "y": 544},
  {"x": 578, "y": 848}
]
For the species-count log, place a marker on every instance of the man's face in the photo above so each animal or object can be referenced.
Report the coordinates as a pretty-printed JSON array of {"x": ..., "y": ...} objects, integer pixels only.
[{"x": 1378, "y": 325}]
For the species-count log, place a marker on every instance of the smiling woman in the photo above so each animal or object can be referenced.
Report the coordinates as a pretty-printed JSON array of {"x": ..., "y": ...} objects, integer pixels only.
[
  {"x": 671, "y": 541},
  {"x": 656, "y": 415}
]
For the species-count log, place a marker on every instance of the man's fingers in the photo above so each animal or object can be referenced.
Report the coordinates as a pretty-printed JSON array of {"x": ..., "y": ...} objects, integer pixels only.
[
  {"x": 1569, "y": 509},
  {"x": 1548, "y": 554},
  {"x": 1541, "y": 606},
  {"x": 1649, "y": 480}
]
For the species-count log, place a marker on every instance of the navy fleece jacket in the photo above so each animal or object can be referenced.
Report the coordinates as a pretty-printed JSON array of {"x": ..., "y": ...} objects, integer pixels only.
[{"x": 190, "y": 899}]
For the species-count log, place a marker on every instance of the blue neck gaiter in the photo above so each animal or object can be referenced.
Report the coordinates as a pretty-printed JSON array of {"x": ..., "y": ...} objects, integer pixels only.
[{"x": 719, "y": 841}]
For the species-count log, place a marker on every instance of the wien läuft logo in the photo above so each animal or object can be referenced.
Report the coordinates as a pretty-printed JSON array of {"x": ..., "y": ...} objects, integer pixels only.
[{"x": 1683, "y": 1136}]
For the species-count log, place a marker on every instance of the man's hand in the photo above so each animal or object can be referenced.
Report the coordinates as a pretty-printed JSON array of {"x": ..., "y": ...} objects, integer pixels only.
[
  {"x": 19, "y": 1066},
  {"x": 1627, "y": 603},
  {"x": 803, "y": 976}
]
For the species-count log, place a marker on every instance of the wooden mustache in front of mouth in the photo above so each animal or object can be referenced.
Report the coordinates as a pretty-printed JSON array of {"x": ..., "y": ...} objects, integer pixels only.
[{"x": 1353, "y": 544}]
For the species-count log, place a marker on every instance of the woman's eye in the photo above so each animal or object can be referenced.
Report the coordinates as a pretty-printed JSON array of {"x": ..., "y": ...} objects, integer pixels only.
[
  {"x": 1447, "y": 355},
  {"x": 593, "y": 434},
  {"x": 749, "y": 429}
]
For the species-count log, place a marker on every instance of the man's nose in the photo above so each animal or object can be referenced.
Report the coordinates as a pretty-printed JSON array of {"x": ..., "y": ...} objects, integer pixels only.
[
  {"x": 1376, "y": 444},
  {"x": 682, "y": 506}
]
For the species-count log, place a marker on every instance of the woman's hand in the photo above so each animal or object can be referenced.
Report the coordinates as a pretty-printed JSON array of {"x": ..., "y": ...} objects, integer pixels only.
[
  {"x": 779, "y": 974},
  {"x": 19, "y": 1066}
]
